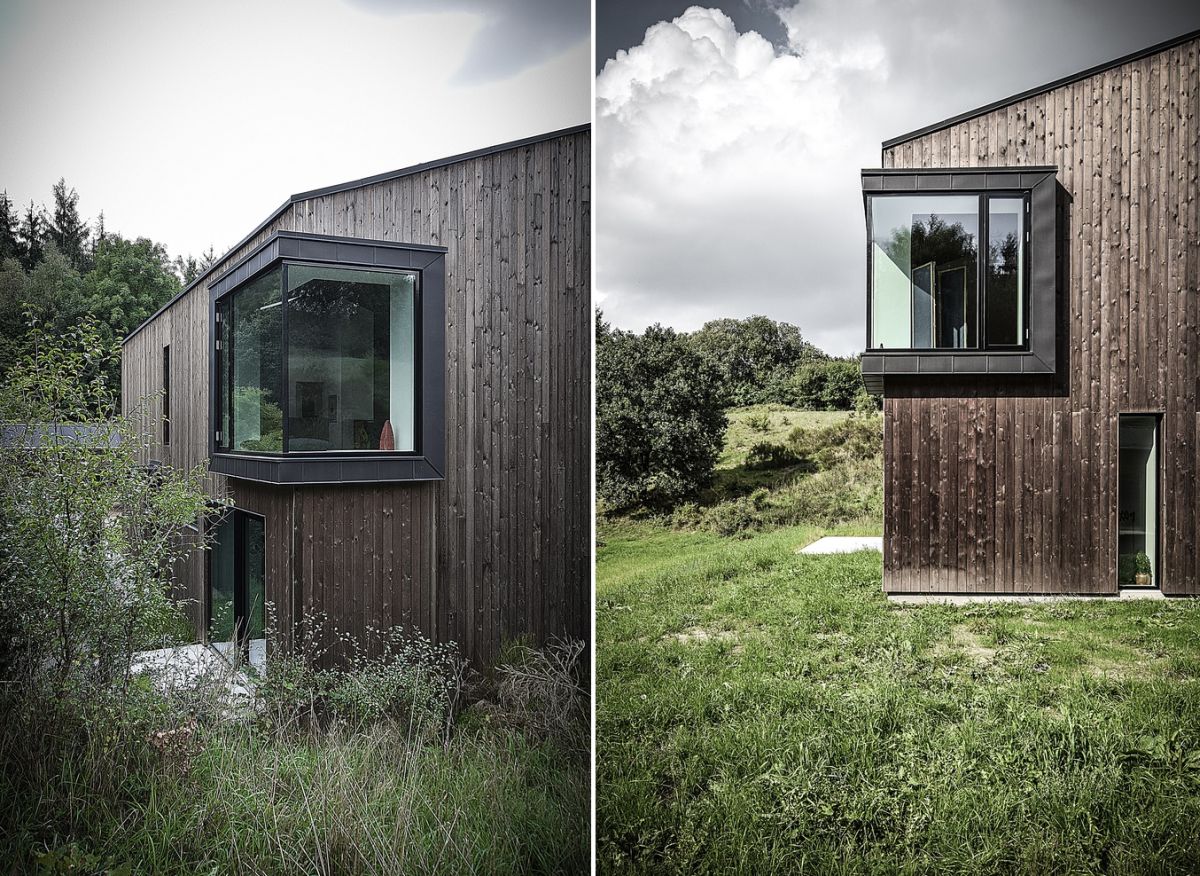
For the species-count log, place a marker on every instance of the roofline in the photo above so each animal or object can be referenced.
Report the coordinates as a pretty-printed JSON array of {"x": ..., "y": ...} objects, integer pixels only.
[
  {"x": 1042, "y": 89},
  {"x": 354, "y": 184}
]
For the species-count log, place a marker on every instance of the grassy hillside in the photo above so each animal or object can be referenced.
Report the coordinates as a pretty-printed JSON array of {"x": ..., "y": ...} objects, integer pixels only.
[
  {"x": 763, "y": 711},
  {"x": 785, "y": 467}
]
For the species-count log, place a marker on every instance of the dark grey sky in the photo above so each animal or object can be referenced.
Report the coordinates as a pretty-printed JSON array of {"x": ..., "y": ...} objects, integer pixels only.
[{"x": 727, "y": 163}]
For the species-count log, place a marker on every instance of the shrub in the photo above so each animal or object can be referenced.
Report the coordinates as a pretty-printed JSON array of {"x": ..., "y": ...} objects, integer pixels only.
[
  {"x": 544, "y": 693},
  {"x": 752, "y": 356},
  {"x": 88, "y": 534},
  {"x": 768, "y": 455},
  {"x": 394, "y": 675},
  {"x": 759, "y": 421},
  {"x": 659, "y": 420},
  {"x": 825, "y": 385}
]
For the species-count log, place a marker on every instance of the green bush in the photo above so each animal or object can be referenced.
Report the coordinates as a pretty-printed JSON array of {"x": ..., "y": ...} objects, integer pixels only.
[
  {"x": 768, "y": 455},
  {"x": 752, "y": 356},
  {"x": 825, "y": 385},
  {"x": 759, "y": 421},
  {"x": 88, "y": 534},
  {"x": 659, "y": 420}
]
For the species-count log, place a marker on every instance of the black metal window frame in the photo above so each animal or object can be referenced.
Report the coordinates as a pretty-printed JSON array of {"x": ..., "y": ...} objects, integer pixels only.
[
  {"x": 426, "y": 461},
  {"x": 981, "y": 256},
  {"x": 166, "y": 391},
  {"x": 1036, "y": 355},
  {"x": 239, "y": 517}
]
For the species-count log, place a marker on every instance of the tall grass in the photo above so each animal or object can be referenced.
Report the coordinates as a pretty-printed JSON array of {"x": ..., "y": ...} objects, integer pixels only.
[{"x": 156, "y": 788}]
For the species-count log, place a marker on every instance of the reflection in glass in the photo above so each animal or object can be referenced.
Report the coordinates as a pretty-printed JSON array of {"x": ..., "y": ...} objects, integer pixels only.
[
  {"x": 924, "y": 250},
  {"x": 1005, "y": 272},
  {"x": 350, "y": 359},
  {"x": 256, "y": 616},
  {"x": 221, "y": 582},
  {"x": 250, "y": 364}
]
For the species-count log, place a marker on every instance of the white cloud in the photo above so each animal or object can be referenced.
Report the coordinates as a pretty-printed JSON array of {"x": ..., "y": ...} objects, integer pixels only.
[
  {"x": 728, "y": 169},
  {"x": 714, "y": 192}
]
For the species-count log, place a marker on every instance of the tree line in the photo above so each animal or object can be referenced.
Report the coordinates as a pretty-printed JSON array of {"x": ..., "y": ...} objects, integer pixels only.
[
  {"x": 661, "y": 397},
  {"x": 57, "y": 269}
]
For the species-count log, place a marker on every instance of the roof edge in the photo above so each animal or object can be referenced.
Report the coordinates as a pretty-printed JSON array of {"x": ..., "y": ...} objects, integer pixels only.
[
  {"x": 1042, "y": 89},
  {"x": 354, "y": 184}
]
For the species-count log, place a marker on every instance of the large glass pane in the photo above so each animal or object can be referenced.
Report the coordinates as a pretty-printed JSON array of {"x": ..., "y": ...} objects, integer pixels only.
[
  {"x": 224, "y": 364},
  {"x": 255, "y": 362},
  {"x": 222, "y": 582},
  {"x": 1137, "y": 500},
  {"x": 256, "y": 612},
  {"x": 351, "y": 359},
  {"x": 1005, "y": 272},
  {"x": 923, "y": 284}
]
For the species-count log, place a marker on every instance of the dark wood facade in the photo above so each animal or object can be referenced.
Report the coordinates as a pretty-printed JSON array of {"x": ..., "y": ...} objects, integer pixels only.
[
  {"x": 1009, "y": 485},
  {"x": 501, "y": 547}
]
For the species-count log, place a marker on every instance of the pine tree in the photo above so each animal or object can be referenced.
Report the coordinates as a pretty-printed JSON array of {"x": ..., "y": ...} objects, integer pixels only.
[
  {"x": 10, "y": 244},
  {"x": 31, "y": 236},
  {"x": 67, "y": 230}
]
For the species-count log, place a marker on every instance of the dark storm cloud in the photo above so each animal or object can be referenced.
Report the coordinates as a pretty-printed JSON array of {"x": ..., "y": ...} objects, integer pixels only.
[
  {"x": 516, "y": 34},
  {"x": 727, "y": 163}
]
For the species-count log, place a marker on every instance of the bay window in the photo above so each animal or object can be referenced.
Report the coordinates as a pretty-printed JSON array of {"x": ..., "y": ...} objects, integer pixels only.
[{"x": 334, "y": 354}]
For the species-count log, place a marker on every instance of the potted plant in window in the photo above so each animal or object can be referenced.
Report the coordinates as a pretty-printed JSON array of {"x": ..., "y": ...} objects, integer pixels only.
[{"x": 1141, "y": 569}]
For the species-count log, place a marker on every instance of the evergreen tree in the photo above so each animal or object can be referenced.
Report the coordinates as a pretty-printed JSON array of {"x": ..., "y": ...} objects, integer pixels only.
[
  {"x": 67, "y": 230},
  {"x": 32, "y": 237},
  {"x": 10, "y": 243},
  {"x": 190, "y": 268}
]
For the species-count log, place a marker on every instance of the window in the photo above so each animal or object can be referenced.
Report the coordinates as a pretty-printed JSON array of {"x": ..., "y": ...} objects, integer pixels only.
[
  {"x": 962, "y": 272},
  {"x": 926, "y": 262},
  {"x": 237, "y": 587},
  {"x": 328, "y": 366},
  {"x": 351, "y": 359},
  {"x": 1137, "y": 500},
  {"x": 328, "y": 362},
  {"x": 166, "y": 391}
]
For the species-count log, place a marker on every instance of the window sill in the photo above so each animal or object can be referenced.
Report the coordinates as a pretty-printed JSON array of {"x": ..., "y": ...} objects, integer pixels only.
[
  {"x": 877, "y": 365},
  {"x": 359, "y": 469}
]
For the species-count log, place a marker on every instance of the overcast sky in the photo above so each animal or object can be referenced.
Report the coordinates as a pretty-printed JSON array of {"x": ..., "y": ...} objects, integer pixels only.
[
  {"x": 190, "y": 122},
  {"x": 729, "y": 141}
]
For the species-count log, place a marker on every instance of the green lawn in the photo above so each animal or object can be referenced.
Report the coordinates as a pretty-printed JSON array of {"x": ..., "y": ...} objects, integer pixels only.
[{"x": 762, "y": 711}]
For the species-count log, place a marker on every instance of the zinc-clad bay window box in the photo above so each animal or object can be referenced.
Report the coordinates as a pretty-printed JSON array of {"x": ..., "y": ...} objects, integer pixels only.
[
  {"x": 960, "y": 272},
  {"x": 328, "y": 361}
]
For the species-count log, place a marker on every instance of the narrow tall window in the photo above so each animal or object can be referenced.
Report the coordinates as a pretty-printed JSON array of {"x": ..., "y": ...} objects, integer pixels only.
[
  {"x": 166, "y": 389},
  {"x": 1137, "y": 501}
]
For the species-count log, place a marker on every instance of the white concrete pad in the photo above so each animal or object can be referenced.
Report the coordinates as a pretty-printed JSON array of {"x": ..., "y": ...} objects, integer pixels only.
[
  {"x": 187, "y": 667},
  {"x": 844, "y": 544}
]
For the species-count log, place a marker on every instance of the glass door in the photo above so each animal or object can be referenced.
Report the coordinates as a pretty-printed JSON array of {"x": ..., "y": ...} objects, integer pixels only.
[
  {"x": 1137, "y": 501},
  {"x": 237, "y": 588}
]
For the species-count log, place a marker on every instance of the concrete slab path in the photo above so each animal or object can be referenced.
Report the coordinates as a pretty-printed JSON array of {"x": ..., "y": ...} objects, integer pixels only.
[{"x": 844, "y": 544}]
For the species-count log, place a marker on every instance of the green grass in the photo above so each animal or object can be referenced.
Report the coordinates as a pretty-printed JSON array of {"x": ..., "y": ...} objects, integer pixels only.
[
  {"x": 368, "y": 802},
  {"x": 763, "y": 711}
]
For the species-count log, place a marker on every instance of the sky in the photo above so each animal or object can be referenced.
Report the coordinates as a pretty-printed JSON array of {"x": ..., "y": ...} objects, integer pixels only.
[
  {"x": 729, "y": 140},
  {"x": 190, "y": 122}
]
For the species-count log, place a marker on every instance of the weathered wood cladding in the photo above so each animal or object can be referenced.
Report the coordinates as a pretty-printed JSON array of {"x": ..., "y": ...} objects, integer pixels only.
[
  {"x": 501, "y": 548},
  {"x": 1011, "y": 486}
]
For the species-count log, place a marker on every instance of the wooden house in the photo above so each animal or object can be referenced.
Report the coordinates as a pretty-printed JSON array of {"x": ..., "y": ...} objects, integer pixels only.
[
  {"x": 1034, "y": 330},
  {"x": 390, "y": 379}
]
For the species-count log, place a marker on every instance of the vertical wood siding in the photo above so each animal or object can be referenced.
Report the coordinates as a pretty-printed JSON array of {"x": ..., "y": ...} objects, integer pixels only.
[
  {"x": 501, "y": 548},
  {"x": 1011, "y": 486}
]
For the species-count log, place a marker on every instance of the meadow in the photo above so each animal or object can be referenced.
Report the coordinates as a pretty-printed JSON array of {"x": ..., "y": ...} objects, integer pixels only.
[{"x": 759, "y": 710}]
